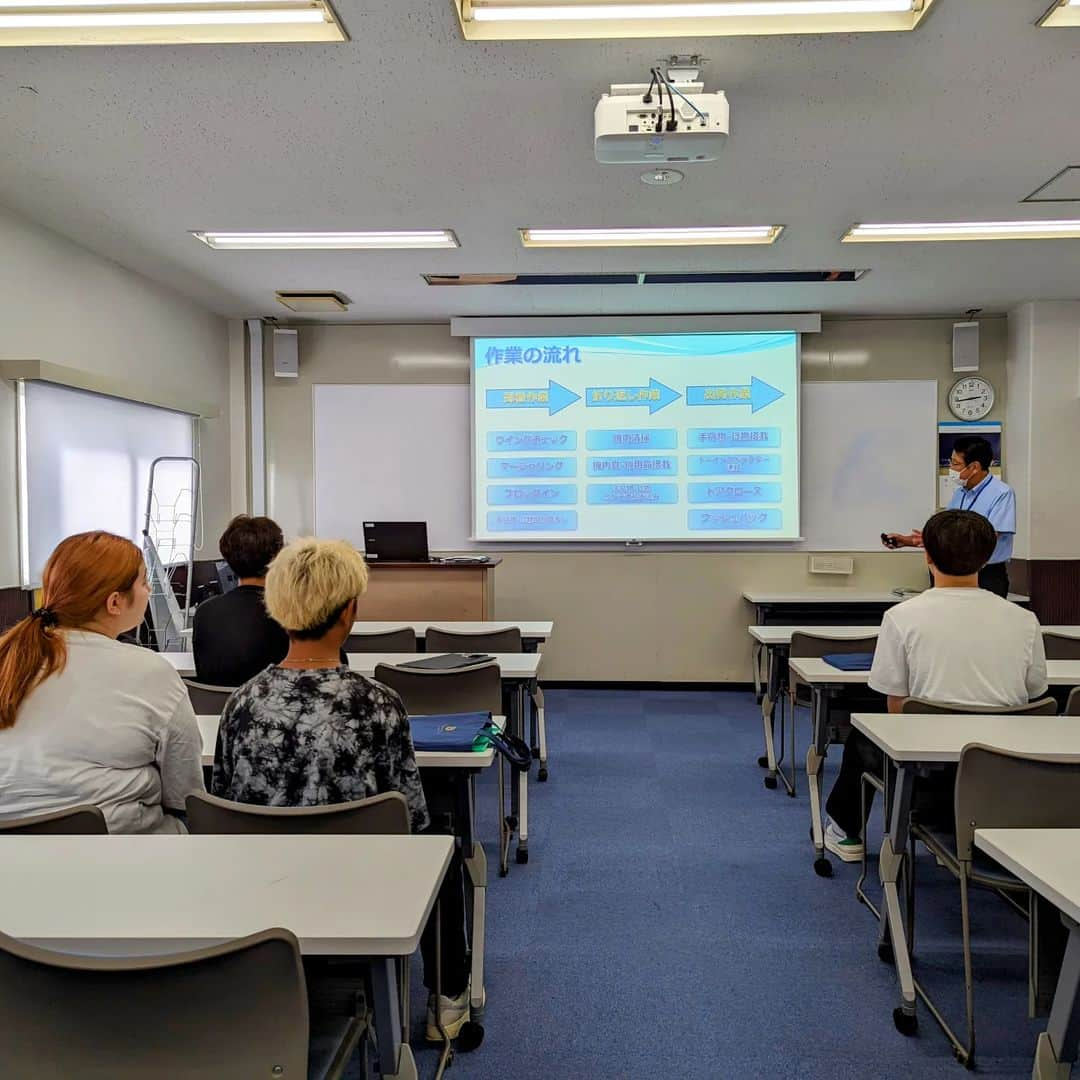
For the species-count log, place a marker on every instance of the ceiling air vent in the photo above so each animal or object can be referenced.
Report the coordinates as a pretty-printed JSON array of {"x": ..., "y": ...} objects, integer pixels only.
[
  {"x": 689, "y": 277},
  {"x": 314, "y": 303}
]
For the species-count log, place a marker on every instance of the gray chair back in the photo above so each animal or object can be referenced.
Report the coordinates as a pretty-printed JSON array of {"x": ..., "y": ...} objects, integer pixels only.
[
  {"x": 507, "y": 640},
  {"x": 1061, "y": 647},
  {"x": 816, "y": 645},
  {"x": 75, "y": 821},
  {"x": 1046, "y": 706},
  {"x": 381, "y": 815},
  {"x": 1072, "y": 706},
  {"x": 400, "y": 640},
  {"x": 208, "y": 700},
  {"x": 232, "y": 1010},
  {"x": 998, "y": 789},
  {"x": 471, "y": 689}
]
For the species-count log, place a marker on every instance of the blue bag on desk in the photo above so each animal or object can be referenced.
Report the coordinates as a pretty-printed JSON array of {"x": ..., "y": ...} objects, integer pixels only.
[
  {"x": 463, "y": 732},
  {"x": 856, "y": 661}
]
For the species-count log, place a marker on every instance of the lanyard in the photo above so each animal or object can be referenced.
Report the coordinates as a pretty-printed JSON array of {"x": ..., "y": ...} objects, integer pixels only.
[{"x": 978, "y": 494}]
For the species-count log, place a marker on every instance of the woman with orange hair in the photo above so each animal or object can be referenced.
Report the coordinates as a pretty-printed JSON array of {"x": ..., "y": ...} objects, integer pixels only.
[{"x": 85, "y": 718}]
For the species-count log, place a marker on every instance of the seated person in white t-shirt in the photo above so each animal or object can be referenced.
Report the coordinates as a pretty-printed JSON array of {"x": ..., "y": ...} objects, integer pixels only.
[
  {"x": 954, "y": 644},
  {"x": 84, "y": 718}
]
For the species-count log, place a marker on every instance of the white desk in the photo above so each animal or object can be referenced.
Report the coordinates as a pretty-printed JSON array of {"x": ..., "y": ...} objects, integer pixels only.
[
  {"x": 913, "y": 740},
  {"x": 532, "y": 631},
  {"x": 144, "y": 895},
  {"x": 827, "y": 682},
  {"x": 1048, "y": 862}
]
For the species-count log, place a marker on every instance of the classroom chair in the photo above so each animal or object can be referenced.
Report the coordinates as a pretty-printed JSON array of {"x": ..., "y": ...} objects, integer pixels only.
[
  {"x": 804, "y": 645},
  {"x": 208, "y": 700},
  {"x": 994, "y": 789},
  {"x": 381, "y": 815},
  {"x": 1061, "y": 647},
  {"x": 1046, "y": 706},
  {"x": 507, "y": 640},
  {"x": 75, "y": 821},
  {"x": 236, "y": 1009},
  {"x": 400, "y": 640},
  {"x": 1072, "y": 706}
]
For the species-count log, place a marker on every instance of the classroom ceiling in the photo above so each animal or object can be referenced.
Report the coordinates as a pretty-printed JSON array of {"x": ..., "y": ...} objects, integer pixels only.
[{"x": 408, "y": 126}]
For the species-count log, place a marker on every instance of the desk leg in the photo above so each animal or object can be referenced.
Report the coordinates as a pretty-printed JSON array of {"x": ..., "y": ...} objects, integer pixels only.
[
  {"x": 892, "y": 940},
  {"x": 815, "y": 757},
  {"x": 768, "y": 710},
  {"x": 522, "y": 785},
  {"x": 395, "y": 1056},
  {"x": 1058, "y": 1046},
  {"x": 476, "y": 868}
]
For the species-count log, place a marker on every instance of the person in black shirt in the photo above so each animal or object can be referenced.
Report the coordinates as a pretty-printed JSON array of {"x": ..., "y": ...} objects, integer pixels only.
[{"x": 234, "y": 638}]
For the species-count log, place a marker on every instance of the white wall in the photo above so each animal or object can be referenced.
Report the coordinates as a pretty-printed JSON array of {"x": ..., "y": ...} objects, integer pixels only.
[
  {"x": 664, "y": 616},
  {"x": 62, "y": 304}
]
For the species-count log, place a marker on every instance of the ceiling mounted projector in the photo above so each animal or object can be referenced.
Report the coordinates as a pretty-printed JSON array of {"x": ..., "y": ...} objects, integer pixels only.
[{"x": 665, "y": 122}]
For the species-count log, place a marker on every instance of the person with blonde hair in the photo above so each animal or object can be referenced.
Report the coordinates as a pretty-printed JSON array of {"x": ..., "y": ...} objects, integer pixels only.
[
  {"x": 85, "y": 718},
  {"x": 309, "y": 731}
]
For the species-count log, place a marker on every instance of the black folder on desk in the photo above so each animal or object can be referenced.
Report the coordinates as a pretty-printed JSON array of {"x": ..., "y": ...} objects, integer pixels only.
[{"x": 448, "y": 661}]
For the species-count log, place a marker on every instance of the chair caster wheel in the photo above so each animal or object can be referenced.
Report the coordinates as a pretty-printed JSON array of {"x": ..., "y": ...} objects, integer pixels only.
[
  {"x": 469, "y": 1037},
  {"x": 822, "y": 867},
  {"x": 763, "y": 761},
  {"x": 770, "y": 782},
  {"x": 906, "y": 1023},
  {"x": 542, "y": 774},
  {"x": 521, "y": 856},
  {"x": 790, "y": 794},
  {"x": 512, "y": 823},
  {"x": 885, "y": 952}
]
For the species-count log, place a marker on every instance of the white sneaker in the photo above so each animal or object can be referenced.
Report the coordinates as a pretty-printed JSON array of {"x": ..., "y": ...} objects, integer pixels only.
[
  {"x": 454, "y": 1012},
  {"x": 846, "y": 848}
]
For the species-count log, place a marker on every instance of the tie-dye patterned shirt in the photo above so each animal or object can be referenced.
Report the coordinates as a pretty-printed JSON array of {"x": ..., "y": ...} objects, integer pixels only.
[{"x": 313, "y": 738}]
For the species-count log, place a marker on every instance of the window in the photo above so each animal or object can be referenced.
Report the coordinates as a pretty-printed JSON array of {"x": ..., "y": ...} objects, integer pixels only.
[{"x": 85, "y": 464}]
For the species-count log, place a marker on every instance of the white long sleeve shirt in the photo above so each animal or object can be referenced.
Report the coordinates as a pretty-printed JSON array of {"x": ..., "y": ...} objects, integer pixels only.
[{"x": 115, "y": 729}]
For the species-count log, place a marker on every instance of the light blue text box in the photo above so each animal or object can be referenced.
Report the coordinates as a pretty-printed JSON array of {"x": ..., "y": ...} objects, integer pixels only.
[
  {"x": 638, "y": 465},
  {"x": 725, "y": 491},
  {"x": 632, "y": 439},
  {"x": 532, "y": 521},
  {"x": 532, "y": 494},
  {"x": 505, "y": 442},
  {"x": 548, "y": 468},
  {"x": 732, "y": 438},
  {"x": 733, "y": 464},
  {"x": 632, "y": 494},
  {"x": 735, "y": 520}
]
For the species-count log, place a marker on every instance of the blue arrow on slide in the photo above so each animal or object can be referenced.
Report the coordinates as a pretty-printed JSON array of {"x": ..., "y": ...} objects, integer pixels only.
[
  {"x": 757, "y": 395},
  {"x": 656, "y": 395},
  {"x": 554, "y": 397}
]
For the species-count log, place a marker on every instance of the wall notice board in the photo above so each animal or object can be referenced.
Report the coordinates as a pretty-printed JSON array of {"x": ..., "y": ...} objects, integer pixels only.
[{"x": 401, "y": 453}]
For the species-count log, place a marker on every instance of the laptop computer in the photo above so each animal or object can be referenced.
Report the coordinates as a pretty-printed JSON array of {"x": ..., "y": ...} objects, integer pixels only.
[{"x": 396, "y": 541}]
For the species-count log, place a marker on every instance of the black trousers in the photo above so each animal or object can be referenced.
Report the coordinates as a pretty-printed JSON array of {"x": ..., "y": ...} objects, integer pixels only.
[
  {"x": 993, "y": 578},
  {"x": 456, "y": 958},
  {"x": 933, "y": 794}
]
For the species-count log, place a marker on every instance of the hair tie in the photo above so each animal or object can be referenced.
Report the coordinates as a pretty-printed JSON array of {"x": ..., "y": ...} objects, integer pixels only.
[{"x": 47, "y": 616}]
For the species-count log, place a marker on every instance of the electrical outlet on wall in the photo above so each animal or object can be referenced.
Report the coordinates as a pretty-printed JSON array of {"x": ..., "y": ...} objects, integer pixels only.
[{"x": 832, "y": 564}]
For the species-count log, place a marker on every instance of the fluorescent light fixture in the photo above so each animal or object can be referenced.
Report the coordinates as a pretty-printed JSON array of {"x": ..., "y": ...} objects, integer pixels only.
[
  {"x": 328, "y": 241},
  {"x": 487, "y": 20},
  {"x": 913, "y": 232},
  {"x": 1062, "y": 13},
  {"x": 659, "y": 237},
  {"x": 166, "y": 22}
]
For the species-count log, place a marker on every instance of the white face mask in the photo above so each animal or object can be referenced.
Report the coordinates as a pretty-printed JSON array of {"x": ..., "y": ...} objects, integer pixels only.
[{"x": 954, "y": 476}]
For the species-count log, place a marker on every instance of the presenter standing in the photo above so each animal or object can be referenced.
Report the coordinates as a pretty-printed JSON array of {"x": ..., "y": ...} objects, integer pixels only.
[{"x": 977, "y": 490}]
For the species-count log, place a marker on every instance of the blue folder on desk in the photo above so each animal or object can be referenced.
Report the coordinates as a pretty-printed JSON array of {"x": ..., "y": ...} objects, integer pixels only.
[
  {"x": 855, "y": 661},
  {"x": 451, "y": 731}
]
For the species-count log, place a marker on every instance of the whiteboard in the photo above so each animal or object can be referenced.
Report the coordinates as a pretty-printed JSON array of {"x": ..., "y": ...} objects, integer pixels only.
[
  {"x": 869, "y": 456},
  {"x": 401, "y": 453},
  {"x": 392, "y": 453}
]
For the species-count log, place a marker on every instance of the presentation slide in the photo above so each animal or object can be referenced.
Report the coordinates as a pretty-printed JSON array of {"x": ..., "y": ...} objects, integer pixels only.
[{"x": 665, "y": 437}]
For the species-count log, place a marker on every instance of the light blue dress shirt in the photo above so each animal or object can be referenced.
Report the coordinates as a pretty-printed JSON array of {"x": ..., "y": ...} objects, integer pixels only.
[{"x": 996, "y": 501}]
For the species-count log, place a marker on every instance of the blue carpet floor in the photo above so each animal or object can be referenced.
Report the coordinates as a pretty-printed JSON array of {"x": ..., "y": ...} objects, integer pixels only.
[{"x": 670, "y": 925}]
